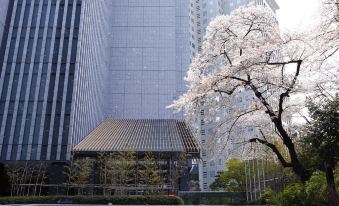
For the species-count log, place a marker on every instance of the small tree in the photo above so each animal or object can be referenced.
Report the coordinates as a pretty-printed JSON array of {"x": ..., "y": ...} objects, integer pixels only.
[
  {"x": 77, "y": 173},
  {"x": 180, "y": 169},
  {"x": 322, "y": 137},
  {"x": 125, "y": 168},
  {"x": 234, "y": 176},
  {"x": 149, "y": 171}
]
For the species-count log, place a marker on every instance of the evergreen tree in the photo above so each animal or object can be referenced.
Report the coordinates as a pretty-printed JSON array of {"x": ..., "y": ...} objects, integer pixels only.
[
  {"x": 124, "y": 169},
  {"x": 149, "y": 171}
]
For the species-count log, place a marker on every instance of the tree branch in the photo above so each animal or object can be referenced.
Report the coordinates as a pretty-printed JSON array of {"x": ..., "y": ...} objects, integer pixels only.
[
  {"x": 274, "y": 149},
  {"x": 289, "y": 89}
]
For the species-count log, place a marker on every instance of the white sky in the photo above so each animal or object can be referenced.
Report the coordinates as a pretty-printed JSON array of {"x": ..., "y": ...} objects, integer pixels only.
[{"x": 297, "y": 14}]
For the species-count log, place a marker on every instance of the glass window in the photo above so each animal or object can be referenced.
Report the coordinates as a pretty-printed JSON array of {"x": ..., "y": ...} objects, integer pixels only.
[
  {"x": 31, "y": 34},
  {"x": 42, "y": 87},
  {"x": 21, "y": 107},
  {"x": 14, "y": 32},
  {"x": 63, "y": 152},
  {"x": 23, "y": 32},
  {"x": 20, "y": 50},
  {"x": 2, "y": 105},
  {"x": 32, "y": 87},
  {"x": 74, "y": 50},
  {"x": 14, "y": 151},
  {"x": 56, "y": 50},
  {"x": 51, "y": 15},
  {"x": 70, "y": 88},
  {"x": 29, "y": 50},
  {"x": 30, "y": 107},
  {"x": 36, "y": 129},
  {"x": 26, "y": 68},
  {"x": 5, "y": 88},
  {"x": 11, "y": 107},
  {"x": 46, "y": 132},
  {"x": 45, "y": 68},
  {"x": 53, "y": 152},
  {"x": 51, "y": 88},
  {"x": 27, "y": 128},
  {"x": 43, "y": 15},
  {"x": 43, "y": 152},
  {"x": 26, "y": 14},
  {"x": 60, "y": 15},
  {"x": 72, "y": 69},
  {"x": 7, "y": 131},
  {"x": 38, "y": 50},
  {"x": 34, "y": 151},
  {"x": 36, "y": 68},
  {"x": 65, "y": 136},
  {"x": 47, "y": 50},
  {"x": 77, "y": 14},
  {"x": 41, "y": 33},
  {"x": 17, "y": 68},
  {"x": 75, "y": 33},
  {"x": 69, "y": 15},
  {"x": 11, "y": 51},
  {"x": 35, "y": 14},
  {"x": 14, "y": 86},
  {"x": 17, "y": 15},
  {"x": 24, "y": 152},
  {"x": 64, "y": 51},
  {"x": 68, "y": 108},
  {"x": 17, "y": 129}
]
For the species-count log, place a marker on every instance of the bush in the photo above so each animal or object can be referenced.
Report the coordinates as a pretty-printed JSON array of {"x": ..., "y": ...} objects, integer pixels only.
[
  {"x": 268, "y": 197},
  {"x": 294, "y": 195},
  {"x": 316, "y": 189},
  {"x": 122, "y": 200}
]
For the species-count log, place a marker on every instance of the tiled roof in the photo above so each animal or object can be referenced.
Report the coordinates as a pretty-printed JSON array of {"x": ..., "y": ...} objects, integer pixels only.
[{"x": 140, "y": 135}]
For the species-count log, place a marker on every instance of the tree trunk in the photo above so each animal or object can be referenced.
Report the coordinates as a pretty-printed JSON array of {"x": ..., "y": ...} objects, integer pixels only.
[
  {"x": 332, "y": 192},
  {"x": 297, "y": 167}
]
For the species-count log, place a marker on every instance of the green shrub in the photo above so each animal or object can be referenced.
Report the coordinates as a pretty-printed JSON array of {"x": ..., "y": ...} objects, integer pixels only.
[
  {"x": 316, "y": 189},
  {"x": 121, "y": 200},
  {"x": 294, "y": 195},
  {"x": 268, "y": 195}
]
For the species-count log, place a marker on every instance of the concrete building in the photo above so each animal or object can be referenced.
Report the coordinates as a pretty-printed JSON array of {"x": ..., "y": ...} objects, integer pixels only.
[
  {"x": 150, "y": 57},
  {"x": 201, "y": 13}
]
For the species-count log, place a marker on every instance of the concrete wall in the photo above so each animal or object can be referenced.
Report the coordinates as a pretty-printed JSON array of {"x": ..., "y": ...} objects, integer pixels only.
[{"x": 150, "y": 56}]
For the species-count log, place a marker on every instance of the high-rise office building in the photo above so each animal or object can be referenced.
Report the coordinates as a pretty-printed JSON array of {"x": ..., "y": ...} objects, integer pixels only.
[
  {"x": 54, "y": 57},
  {"x": 201, "y": 13},
  {"x": 66, "y": 65}
]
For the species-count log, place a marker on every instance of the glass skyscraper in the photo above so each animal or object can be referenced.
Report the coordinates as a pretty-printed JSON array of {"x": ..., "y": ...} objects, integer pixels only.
[{"x": 47, "y": 69}]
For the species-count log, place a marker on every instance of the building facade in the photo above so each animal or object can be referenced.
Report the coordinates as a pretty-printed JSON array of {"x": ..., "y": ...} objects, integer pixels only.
[
  {"x": 201, "y": 13},
  {"x": 150, "y": 57}
]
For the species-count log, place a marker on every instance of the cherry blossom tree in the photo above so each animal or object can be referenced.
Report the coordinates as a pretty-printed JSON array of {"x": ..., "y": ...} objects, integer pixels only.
[{"x": 245, "y": 52}]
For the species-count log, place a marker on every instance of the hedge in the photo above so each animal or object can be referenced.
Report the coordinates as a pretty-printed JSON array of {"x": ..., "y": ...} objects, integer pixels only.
[{"x": 121, "y": 200}]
